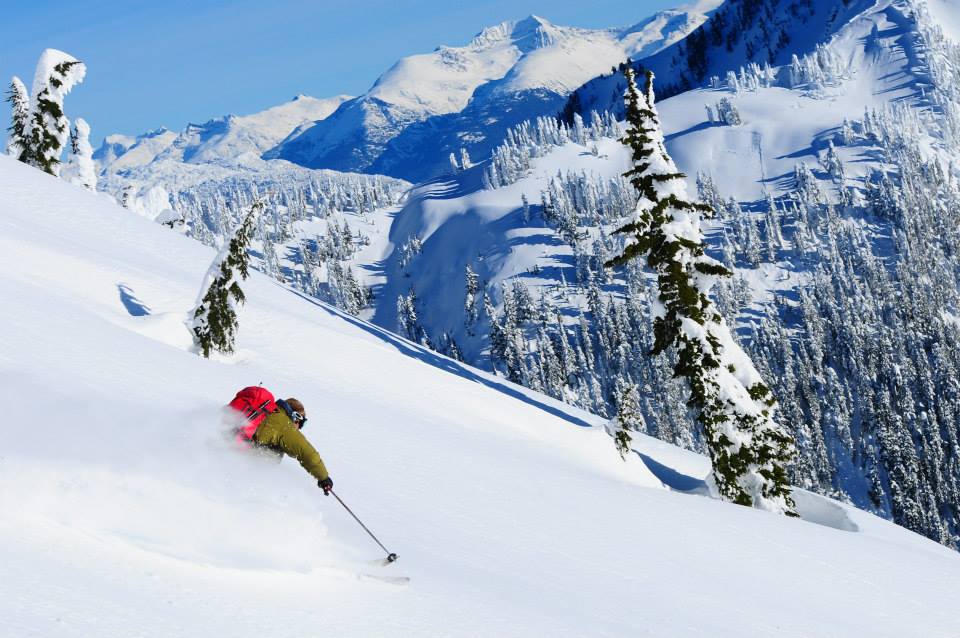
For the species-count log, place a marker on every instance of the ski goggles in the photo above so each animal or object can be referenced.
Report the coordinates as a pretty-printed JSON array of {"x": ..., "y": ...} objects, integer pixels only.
[{"x": 299, "y": 419}]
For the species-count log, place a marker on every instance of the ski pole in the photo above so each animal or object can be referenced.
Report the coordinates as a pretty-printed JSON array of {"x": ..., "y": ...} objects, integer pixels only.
[{"x": 390, "y": 555}]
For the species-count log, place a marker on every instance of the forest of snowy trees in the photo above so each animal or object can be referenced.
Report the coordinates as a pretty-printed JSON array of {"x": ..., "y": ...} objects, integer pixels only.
[
  {"x": 861, "y": 356},
  {"x": 528, "y": 140},
  {"x": 316, "y": 261},
  {"x": 863, "y": 362}
]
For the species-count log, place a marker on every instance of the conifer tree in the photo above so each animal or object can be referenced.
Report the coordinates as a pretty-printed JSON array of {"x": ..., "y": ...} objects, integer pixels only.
[
  {"x": 627, "y": 419},
  {"x": 57, "y": 73},
  {"x": 408, "y": 321},
  {"x": 18, "y": 143},
  {"x": 214, "y": 320},
  {"x": 748, "y": 449},
  {"x": 80, "y": 168},
  {"x": 470, "y": 309}
]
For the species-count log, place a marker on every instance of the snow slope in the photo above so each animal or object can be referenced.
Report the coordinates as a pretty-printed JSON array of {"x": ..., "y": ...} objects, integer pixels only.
[
  {"x": 737, "y": 33},
  {"x": 126, "y": 514},
  {"x": 460, "y": 223},
  {"x": 947, "y": 15},
  {"x": 429, "y": 105},
  {"x": 760, "y": 154}
]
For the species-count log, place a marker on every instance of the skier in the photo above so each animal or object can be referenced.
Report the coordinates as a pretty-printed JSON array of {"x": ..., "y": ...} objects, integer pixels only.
[
  {"x": 274, "y": 425},
  {"x": 280, "y": 433}
]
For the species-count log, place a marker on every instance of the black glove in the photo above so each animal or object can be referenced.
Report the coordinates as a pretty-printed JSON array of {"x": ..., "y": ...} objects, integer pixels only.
[{"x": 326, "y": 485}]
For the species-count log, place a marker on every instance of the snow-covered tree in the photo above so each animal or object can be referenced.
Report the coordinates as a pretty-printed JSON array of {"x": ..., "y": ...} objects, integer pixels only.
[
  {"x": 470, "y": 309},
  {"x": 80, "y": 168},
  {"x": 344, "y": 289},
  {"x": 627, "y": 419},
  {"x": 534, "y": 138},
  {"x": 57, "y": 73},
  {"x": 408, "y": 251},
  {"x": 465, "y": 161},
  {"x": 18, "y": 143},
  {"x": 453, "y": 163},
  {"x": 407, "y": 320},
  {"x": 578, "y": 132},
  {"x": 832, "y": 163},
  {"x": 213, "y": 321},
  {"x": 748, "y": 448},
  {"x": 727, "y": 113}
]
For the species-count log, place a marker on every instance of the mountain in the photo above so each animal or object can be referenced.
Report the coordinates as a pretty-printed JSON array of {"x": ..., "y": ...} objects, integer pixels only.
[
  {"x": 113, "y": 147},
  {"x": 738, "y": 33},
  {"x": 226, "y": 140},
  {"x": 430, "y": 105},
  {"x": 160, "y": 173},
  {"x": 126, "y": 512},
  {"x": 121, "y": 152},
  {"x": 419, "y": 111}
]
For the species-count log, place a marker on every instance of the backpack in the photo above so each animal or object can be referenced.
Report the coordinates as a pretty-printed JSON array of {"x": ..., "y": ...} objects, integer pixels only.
[{"x": 254, "y": 404}]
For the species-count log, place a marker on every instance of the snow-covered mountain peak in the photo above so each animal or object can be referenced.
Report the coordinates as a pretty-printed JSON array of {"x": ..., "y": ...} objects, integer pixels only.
[
  {"x": 531, "y": 23},
  {"x": 560, "y": 59},
  {"x": 121, "y": 155},
  {"x": 533, "y": 27},
  {"x": 119, "y": 138},
  {"x": 429, "y": 105},
  {"x": 664, "y": 28},
  {"x": 534, "y": 32},
  {"x": 157, "y": 132},
  {"x": 444, "y": 80},
  {"x": 224, "y": 139}
]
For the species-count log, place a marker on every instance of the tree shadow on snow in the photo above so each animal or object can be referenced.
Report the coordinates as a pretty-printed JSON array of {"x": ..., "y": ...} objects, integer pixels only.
[
  {"x": 811, "y": 507},
  {"x": 446, "y": 364},
  {"x": 135, "y": 307},
  {"x": 445, "y": 187},
  {"x": 672, "y": 478},
  {"x": 687, "y": 131}
]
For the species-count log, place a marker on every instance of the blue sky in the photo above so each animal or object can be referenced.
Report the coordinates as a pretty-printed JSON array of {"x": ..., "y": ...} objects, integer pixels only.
[{"x": 171, "y": 62}]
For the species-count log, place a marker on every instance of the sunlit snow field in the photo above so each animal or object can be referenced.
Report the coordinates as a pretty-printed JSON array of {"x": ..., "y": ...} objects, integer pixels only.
[{"x": 126, "y": 513}]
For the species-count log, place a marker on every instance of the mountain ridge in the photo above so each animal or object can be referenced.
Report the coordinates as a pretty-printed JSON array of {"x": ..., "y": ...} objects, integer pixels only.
[
  {"x": 427, "y": 106},
  {"x": 224, "y": 139}
]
